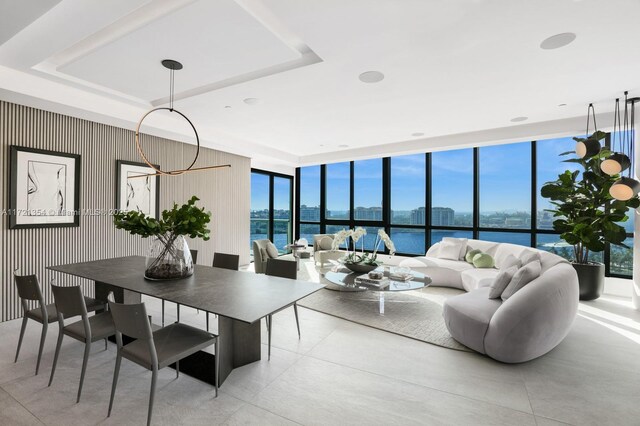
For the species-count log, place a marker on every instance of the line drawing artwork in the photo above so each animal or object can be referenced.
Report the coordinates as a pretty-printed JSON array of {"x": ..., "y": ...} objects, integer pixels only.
[
  {"x": 138, "y": 193},
  {"x": 46, "y": 188}
]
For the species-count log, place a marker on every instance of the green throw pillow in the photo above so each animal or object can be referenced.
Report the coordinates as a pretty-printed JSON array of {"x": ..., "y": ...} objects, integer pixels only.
[
  {"x": 469, "y": 256},
  {"x": 483, "y": 260}
]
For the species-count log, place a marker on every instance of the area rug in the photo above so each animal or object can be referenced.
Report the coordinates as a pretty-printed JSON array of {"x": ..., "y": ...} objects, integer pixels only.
[{"x": 416, "y": 314}]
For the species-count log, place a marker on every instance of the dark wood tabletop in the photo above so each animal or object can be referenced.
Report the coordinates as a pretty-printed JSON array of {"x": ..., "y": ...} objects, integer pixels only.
[{"x": 243, "y": 296}]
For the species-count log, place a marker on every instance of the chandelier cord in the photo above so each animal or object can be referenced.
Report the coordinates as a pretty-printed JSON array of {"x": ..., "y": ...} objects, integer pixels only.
[
  {"x": 616, "y": 120},
  {"x": 171, "y": 88},
  {"x": 591, "y": 111}
]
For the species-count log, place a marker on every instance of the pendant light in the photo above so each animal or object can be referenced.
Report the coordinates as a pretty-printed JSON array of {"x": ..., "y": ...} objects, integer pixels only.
[
  {"x": 173, "y": 66},
  {"x": 627, "y": 187},
  {"x": 618, "y": 161},
  {"x": 590, "y": 146}
]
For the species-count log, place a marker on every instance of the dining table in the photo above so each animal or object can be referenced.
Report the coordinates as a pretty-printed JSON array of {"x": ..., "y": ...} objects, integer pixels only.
[{"x": 240, "y": 299}]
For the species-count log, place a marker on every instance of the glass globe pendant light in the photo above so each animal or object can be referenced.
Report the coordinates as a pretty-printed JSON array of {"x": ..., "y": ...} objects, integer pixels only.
[
  {"x": 617, "y": 162},
  {"x": 590, "y": 146},
  {"x": 626, "y": 187}
]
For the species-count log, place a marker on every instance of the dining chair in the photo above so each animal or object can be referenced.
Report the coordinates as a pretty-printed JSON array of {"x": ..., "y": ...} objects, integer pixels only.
[
  {"x": 194, "y": 258},
  {"x": 70, "y": 303},
  {"x": 155, "y": 350},
  {"x": 224, "y": 261},
  {"x": 29, "y": 290},
  {"x": 284, "y": 269}
]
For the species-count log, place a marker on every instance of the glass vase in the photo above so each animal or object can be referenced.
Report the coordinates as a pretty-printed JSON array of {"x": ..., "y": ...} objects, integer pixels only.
[{"x": 168, "y": 258}]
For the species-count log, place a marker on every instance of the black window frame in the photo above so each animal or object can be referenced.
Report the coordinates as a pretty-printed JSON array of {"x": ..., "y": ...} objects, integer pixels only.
[
  {"x": 475, "y": 229},
  {"x": 293, "y": 204}
]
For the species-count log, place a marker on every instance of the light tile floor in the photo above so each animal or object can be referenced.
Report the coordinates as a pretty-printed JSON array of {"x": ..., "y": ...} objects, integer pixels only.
[{"x": 347, "y": 374}]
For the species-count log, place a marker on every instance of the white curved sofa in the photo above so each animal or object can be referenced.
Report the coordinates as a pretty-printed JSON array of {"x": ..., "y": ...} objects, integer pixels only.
[{"x": 525, "y": 326}]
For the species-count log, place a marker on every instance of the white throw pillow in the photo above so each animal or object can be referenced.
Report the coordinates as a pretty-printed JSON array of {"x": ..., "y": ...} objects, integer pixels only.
[
  {"x": 524, "y": 276},
  {"x": 510, "y": 261},
  {"x": 325, "y": 243},
  {"x": 449, "y": 250},
  {"x": 272, "y": 250},
  {"x": 529, "y": 256},
  {"x": 461, "y": 244},
  {"x": 501, "y": 281}
]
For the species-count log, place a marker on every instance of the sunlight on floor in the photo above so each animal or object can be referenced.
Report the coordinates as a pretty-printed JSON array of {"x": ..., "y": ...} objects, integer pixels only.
[{"x": 624, "y": 324}]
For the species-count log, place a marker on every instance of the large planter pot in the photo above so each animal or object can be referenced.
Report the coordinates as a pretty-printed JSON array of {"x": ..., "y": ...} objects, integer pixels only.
[
  {"x": 361, "y": 268},
  {"x": 591, "y": 280},
  {"x": 168, "y": 259}
]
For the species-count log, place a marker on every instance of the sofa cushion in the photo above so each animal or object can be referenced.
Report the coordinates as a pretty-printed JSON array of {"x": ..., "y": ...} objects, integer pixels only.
[
  {"x": 325, "y": 243},
  {"x": 450, "y": 250},
  {"x": 524, "y": 276},
  {"x": 529, "y": 256},
  {"x": 461, "y": 242},
  {"x": 470, "y": 253},
  {"x": 510, "y": 261},
  {"x": 272, "y": 250},
  {"x": 483, "y": 260},
  {"x": 484, "y": 246},
  {"x": 455, "y": 265},
  {"x": 476, "y": 278},
  {"x": 505, "y": 249},
  {"x": 467, "y": 317},
  {"x": 501, "y": 281},
  {"x": 549, "y": 260}
]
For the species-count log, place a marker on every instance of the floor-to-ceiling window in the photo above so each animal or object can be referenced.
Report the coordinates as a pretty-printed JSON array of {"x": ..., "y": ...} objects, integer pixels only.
[
  {"x": 491, "y": 193},
  {"x": 271, "y": 208}
]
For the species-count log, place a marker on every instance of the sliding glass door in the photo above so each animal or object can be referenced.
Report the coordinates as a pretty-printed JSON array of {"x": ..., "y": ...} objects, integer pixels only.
[{"x": 271, "y": 208}]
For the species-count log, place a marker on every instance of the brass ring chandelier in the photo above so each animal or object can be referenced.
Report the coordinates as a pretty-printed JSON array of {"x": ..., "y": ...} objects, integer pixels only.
[{"x": 172, "y": 66}]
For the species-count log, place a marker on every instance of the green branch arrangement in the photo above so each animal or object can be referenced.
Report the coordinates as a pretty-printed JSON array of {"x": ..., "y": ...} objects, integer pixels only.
[{"x": 187, "y": 220}]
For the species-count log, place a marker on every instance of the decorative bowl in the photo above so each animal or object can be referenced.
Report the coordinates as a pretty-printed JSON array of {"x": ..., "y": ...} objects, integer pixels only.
[{"x": 361, "y": 268}]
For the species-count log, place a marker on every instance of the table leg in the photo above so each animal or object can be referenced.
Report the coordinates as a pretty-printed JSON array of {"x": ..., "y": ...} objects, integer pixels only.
[
  {"x": 239, "y": 344},
  {"x": 381, "y": 302},
  {"x": 120, "y": 295}
]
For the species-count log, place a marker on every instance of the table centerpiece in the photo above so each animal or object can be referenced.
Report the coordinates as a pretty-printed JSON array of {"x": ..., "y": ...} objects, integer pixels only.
[
  {"x": 361, "y": 262},
  {"x": 169, "y": 256}
]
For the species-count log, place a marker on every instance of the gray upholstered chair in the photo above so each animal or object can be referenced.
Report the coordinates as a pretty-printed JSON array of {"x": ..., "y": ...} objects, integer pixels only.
[
  {"x": 70, "y": 303},
  {"x": 194, "y": 258},
  {"x": 260, "y": 255},
  {"x": 29, "y": 290},
  {"x": 226, "y": 261},
  {"x": 154, "y": 350},
  {"x": 284, "y": 269}
]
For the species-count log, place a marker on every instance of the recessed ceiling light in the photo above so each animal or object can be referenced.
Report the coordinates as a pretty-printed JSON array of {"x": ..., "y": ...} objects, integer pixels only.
[
  {"x": 251, "y": 101},
  {"x": 227, "y": 107},
  {"x": 557, "y": 41},
  {"x": 417, "y": 134},
  {"x": 371, "y": 77},
  {"x": 517, "y": 119},
  {"x": 561, "y": 105},
  {"x": 343, "y": 146}
]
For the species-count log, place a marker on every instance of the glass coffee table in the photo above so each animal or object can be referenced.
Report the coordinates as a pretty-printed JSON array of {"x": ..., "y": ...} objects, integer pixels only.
[{"x": 342, "y": 279}]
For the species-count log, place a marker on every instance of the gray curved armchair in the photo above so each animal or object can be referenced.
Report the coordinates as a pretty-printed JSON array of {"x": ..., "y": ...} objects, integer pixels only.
[{"x": 260, "y": 255}]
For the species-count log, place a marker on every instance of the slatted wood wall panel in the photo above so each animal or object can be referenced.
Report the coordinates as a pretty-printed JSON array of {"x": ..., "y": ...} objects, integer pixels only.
[{"x": 226, "y": 193}]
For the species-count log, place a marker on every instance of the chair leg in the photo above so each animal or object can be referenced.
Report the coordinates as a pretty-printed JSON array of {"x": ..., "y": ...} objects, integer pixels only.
[
  {"x": 217, "y": 365},
  {"x": 177, "y": 369},
  {"x": 55, "y": 357},
  {"x": 207, "y": 321},
  {"x": 295, "y": 310},
  {"x": 22, "y": 329},
  {"x": 270, "y": 322},
  {"x": 152, "y": 394},
  {"x": 87, "y": 350},
  {"x": 116, "y": 373},
  {"x": 266, "y": 320},
  {"x": 43, "y": 337},
  {"x": 177, "y": 312},
  {"x": 105, "y": 343},
  {"x": 163, "y": 312}
]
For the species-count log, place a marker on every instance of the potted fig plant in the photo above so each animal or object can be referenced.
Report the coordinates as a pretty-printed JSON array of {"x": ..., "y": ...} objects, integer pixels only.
[
  {"x": 588, "y": 217},
  {"x": 169, "y": 256}
]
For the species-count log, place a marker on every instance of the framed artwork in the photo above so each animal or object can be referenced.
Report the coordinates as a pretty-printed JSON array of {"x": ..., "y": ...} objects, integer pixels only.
[
  {"x": 141, "y": 194},
  {"x": 44, "y": 188}
]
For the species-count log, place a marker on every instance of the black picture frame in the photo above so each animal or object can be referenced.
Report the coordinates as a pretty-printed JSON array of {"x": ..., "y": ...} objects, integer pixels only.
[
  {"x": 14, "y": 203},
  {"x": 119, "y": 164}
]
